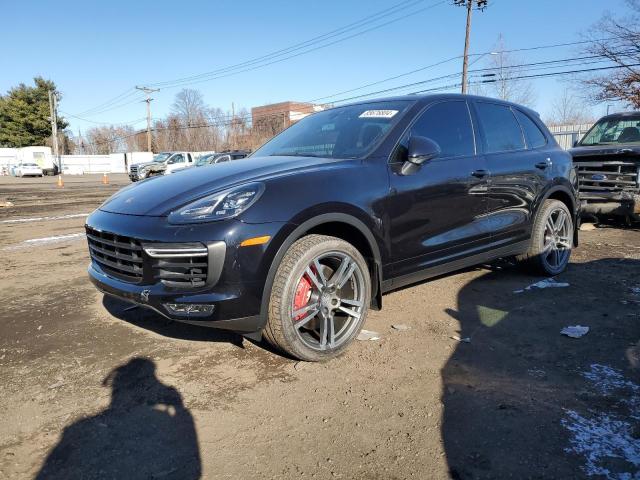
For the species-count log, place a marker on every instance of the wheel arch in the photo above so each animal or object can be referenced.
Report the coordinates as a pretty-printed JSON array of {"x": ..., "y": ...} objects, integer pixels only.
[
  {"x": 564, "y": 194},
  {"x": 340, "y": 225}
]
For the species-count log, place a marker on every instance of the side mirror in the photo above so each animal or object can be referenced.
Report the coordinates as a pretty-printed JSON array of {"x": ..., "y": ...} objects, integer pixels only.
[
  {"x": 575, "y": 143},
  {"x": 422, "y": 149}
]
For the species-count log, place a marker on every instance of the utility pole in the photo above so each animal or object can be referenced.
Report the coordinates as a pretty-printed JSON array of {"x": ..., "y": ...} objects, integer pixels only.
[
  {"x": 148, "y": 91},
  {"x": 53, "y": 109},
  {"x": 469, "y": 4},
  {"x": 465, "y": 61}
]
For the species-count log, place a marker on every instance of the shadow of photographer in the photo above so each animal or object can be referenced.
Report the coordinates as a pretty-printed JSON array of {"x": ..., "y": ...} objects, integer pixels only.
[{"x": 146, "y": 432}]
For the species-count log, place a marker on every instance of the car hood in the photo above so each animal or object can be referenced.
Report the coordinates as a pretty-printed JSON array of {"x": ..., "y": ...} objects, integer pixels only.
[
  {"x": 159, "y": 196},
  {"x": 603, "y": 150}
]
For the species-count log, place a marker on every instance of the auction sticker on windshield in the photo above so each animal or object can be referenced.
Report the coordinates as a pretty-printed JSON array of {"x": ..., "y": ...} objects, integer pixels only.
[{"x": 378, "y": 114}]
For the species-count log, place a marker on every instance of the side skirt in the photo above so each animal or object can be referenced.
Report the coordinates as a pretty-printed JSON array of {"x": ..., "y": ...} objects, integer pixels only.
[{"x": 452, "y": 266}]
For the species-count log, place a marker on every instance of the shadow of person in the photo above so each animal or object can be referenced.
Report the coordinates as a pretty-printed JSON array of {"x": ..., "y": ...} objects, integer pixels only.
[
  {"x": 507, "y": 388},
  {"x": 146, "y": 432}
]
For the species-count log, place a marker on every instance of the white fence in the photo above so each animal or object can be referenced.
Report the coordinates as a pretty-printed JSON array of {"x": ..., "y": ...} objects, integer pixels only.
[
  {"x": 113, "y": 163},
  {"x": 567, "y": 135}
]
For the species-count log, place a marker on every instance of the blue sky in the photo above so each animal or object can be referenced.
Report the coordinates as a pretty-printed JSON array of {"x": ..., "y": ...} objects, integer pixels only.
[{"x": 95, "y": 51}]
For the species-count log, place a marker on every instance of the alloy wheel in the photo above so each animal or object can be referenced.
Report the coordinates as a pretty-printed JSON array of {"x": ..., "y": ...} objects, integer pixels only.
[
  {"x": 557, "y": 239},
  {"x": 328, "y": 301}
]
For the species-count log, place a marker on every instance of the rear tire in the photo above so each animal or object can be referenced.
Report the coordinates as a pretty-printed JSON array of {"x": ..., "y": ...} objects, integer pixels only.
[
  {"x": 319, "y": 299},
  {"x": 551, "y": 240}
]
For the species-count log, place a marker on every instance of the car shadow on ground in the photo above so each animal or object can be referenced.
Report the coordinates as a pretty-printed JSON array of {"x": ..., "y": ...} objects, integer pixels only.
[
  {"x": 145, "y": 432},
  {"x": 149, "y": 320},
  {"x": 518, "y": 399}
]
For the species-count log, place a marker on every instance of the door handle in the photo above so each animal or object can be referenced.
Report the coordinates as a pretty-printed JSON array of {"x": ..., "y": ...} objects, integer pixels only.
[
  {"x": 543, "y": 165},
  {"x": 479, "y": 173}
]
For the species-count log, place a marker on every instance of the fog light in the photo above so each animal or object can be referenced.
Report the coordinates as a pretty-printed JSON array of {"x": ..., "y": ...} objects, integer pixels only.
[{"x": 189, "y": 309}]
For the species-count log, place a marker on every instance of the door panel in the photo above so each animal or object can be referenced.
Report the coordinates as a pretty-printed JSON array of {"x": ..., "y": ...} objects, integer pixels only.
[
  {"x": 439, "y": 211},
  {"x": 516, "y": 181}
]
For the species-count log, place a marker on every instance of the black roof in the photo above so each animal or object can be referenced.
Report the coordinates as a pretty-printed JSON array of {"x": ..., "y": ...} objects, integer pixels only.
[{"x": 425, "y": 98}]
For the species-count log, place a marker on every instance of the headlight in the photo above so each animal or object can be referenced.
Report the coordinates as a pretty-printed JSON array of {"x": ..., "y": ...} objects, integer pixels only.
[{"x": 226, "y": 204}]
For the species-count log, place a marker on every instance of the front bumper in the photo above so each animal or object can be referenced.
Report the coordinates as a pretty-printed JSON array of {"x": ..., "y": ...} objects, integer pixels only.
[
  {"x": 239, "y": 273},
  {"x": 622, "y": 203}
]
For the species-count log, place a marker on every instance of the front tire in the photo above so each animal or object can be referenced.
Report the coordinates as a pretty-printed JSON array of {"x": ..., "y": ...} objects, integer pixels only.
[
  {"x": 551, "y": 239},
  {"x": 319, "y": 299}
]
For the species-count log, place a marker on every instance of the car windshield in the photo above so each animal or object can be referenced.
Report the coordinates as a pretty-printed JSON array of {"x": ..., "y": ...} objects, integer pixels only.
[
  {"x": 29, "y": 165},
  {"x": 613, "y": 130},
  {"x": 161, "y": 157},
  {"x": 343, "y": 132}
]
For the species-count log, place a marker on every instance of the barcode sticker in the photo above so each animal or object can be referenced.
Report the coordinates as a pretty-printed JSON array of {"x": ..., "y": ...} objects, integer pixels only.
[{"x": 378, "y": 114}]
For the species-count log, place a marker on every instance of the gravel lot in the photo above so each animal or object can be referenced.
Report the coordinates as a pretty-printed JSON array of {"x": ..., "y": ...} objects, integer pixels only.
[{"x": 482, "y": 385}]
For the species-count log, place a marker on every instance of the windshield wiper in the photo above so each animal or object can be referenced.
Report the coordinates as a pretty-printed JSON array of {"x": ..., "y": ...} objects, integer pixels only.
[{"x": 295, "y": 154}]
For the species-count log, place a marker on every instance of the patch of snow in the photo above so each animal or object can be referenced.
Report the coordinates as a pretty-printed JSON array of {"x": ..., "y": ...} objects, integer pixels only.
[
  {"x": 600, "y": 435},
  {"x": 608, "y": 380},
  {"x": 45, "y": 241},
  {"x": 40, "y": 219}
]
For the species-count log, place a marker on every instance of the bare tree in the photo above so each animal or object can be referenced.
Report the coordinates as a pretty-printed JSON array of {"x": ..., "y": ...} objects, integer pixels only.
[
  {"x": 568, "y": 109},
  {"x": 618, "y": 40},
  {"x": 504, "y": 83},
  {"x": 108, "y": 139},
  {"x": 188, "y": 105}
]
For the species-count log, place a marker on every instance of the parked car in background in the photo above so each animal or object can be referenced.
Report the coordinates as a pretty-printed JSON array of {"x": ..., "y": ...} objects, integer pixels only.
[
  {"x": 216, "y": 158},
  {"x": 27, "y": 170},
  {"x": 300, "y": 239},
  {"x": 163, "y": 163},
  {"x": 607, "y": 160},
  {"x": 221, "y": 157}
]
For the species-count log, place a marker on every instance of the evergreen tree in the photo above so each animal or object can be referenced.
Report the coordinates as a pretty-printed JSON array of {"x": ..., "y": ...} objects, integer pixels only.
[{"x": 24, "y": 115}]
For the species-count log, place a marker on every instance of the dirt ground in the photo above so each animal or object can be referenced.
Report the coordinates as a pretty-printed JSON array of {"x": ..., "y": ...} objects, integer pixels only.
[{"x": 482, "y": 385}]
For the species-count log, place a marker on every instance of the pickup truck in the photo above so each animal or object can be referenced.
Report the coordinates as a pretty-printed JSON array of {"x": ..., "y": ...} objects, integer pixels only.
[
  {"x": 607, "y": 161},
  {"x": 163, "y": 163}
]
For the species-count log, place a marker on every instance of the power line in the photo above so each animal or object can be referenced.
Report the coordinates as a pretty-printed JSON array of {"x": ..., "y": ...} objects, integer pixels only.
[
  {"x": 297, "y": 46},
  {"x": 114, "y": 103},
  {"x": 102, "y": 123},
  {"x": 178, "y": 83},
  {"x": 106, "y": 105},
  {"x": 433, "y": 89}
]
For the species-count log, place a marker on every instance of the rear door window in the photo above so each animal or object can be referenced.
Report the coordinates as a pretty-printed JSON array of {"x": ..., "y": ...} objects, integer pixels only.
[
  {"x": 535, "y": 137},
  {"x": 502, "y": 132}
]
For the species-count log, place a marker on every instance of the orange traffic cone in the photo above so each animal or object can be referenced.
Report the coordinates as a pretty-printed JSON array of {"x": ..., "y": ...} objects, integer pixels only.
[
  {"x": 60, "y": 182},
  {"x": 105, "y": 179}
]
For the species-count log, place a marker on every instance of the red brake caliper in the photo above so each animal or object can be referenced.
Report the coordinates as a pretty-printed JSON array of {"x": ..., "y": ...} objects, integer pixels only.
[{"x": 302, "y": 296}]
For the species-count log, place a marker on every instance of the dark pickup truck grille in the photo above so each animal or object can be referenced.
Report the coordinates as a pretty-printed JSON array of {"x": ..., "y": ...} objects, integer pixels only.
[
  {"x": 182, "y": 265},
  {"x": 610, "y": 176},
  {"x": 118, "y": 256}
]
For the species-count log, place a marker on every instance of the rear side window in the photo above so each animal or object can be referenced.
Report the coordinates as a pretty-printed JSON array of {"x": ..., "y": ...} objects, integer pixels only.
[
  {"x": 535, "y": 137},
  {"x": 501, "y": 130},
  {"x": 449, "y": 125}
]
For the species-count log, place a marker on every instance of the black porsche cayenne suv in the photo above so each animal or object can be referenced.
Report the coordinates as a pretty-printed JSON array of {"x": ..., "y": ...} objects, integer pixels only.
[{"x": 300, "y": 239}]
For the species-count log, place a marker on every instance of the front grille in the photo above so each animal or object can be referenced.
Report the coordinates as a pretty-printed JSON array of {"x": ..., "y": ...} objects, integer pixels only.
[
  {"x": 117, "y": 255},
  {"x": 176, "y": 265},
  {"x": 133, "y": 169},
  {"x": 611, "y": 176}
]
